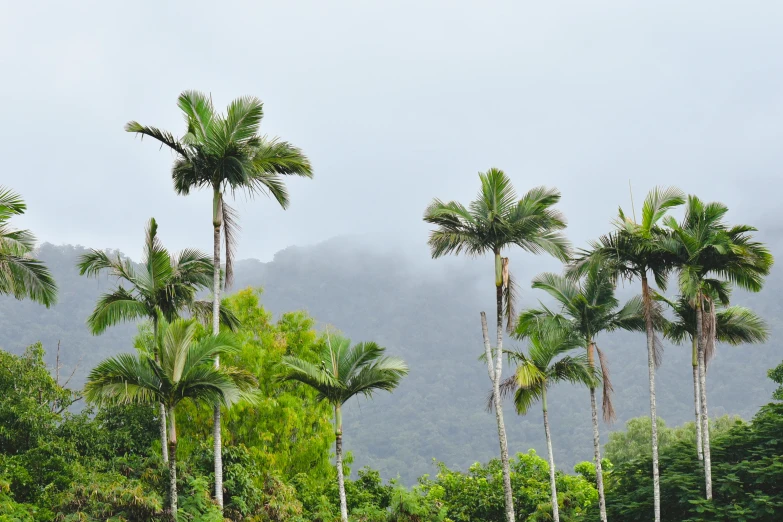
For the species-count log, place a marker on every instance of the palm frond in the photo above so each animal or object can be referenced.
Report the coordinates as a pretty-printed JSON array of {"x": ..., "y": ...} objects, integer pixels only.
[
  {"x": 25, "y": 277},
  {"x": 199, "y": 115},
  {"x": 123, "y": 379},
  {"x": 164, "y": 137},
  {"x": 524, "y": 398},
  {"x": 659, "y": 201},
  {"x": 737, "y": 324},
  {"x": 230, "y": 233},
  {"x": 116, "y": 307},
  {"x": 11, "y": 204}
]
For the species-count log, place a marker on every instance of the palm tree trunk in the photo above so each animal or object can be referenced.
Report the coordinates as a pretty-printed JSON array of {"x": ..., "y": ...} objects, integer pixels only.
[
  {"x": 599, "y": 473},
  {"x": 339, "y": 461},
  {"x": 172, "y": 442},
  {"x": 216, "y": 434},
  {"x": 705, "y": 421},
  {"x": 509, "y": 493},
  {"x": 164, "y": 440},
  {"x": 552, "y": 484},
  {"x": 495, "y": 368},
  {"x": 653, "y": 412},
  {"x": 696, "y": 397}
]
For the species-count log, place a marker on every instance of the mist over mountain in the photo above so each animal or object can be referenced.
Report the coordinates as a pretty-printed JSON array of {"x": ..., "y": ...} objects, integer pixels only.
[{"x": 426, "y": 311}]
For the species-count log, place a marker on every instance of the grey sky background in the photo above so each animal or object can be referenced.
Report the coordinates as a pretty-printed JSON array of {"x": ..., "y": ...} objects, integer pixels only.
[{"x": 395, "y": 103}]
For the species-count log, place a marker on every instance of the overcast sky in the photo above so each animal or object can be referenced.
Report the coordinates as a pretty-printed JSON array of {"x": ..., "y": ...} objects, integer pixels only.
[{"x": 395, "y": 104}]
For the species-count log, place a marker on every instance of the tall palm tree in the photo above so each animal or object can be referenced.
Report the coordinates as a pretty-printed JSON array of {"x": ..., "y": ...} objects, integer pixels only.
[
  {"x": 165, "y": 284},
  {"x": 495, "y": 221},
  {"x": 225, "y": 153},
  {"x": 590, "y": 307},
  {"x": 21, "y": 275},
  {"x": 344, "y": 371},
  {"x": 636, "y": 251},
  {"x": 545, "y": 364},
  {"x": 182, "y": 370},
  {"x": 709, "y": 252},
  {"x": 734, "y": 325}
]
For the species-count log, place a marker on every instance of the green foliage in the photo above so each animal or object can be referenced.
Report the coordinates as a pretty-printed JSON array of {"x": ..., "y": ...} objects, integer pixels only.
[
  {"x": 776, "y": 374},
  {"x": 747, "y": 475},
  {"x": 286, "y": 431},
  {"x": 478, "y": 493},
  {"x": 634, "y": 443}
]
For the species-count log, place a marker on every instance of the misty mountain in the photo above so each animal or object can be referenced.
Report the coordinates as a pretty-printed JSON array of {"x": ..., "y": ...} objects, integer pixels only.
[{"x": 428, "y": 313}]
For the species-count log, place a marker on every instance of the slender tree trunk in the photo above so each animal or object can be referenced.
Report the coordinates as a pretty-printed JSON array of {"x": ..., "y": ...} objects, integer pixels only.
[
  {"x": 494, "y": 369},
  {"x": 217, "y": 217},
  {"x": 705, "y": 420},
  {"x": 696, "y": 397},
  {"x": 164, "y": 440},
  {"x": 172, "y": 464},
  {"x": 653, "y": 412},
  {"x": 339, "y": 454},
  {"x": 552, "y": 484},
  {"x": 599, "y": 473}
]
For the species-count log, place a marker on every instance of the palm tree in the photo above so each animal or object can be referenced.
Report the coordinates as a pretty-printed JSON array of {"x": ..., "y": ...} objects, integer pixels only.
[
  {"x": 546, "y": 363},
  {"x": 165, "y": 284},
  {"x": 708, "y": 249},
  {"x": 635, "y": 251},
  {"x": 344, "y": 371},
  {"x": 734, "y": 325},
  {"x": 590, "y": 307},
  {"x": 225, "y": 153},
  {"x": 21, "y": 275},
  {"x": 497, "y": 220},
  {"x": 182, "y": 370}
]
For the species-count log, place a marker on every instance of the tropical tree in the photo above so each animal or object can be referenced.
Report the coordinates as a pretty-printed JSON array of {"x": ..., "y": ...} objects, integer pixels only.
[
  {"x": 21, "y": 275},
  {"x": 709, "y": 253},
  {"x": 183, "y": 370},
  {"x": 546, "y": 363},
  {"x": 165, "y": 284},
  {"x": 344, "y": 371},
  {"x": 495, "y": 221},
  {"x": 735, "y": 325},
  {"x": 636, "y": 251},
  {"x": 589, "y": 307},
  {"x": 225, "y": 153}
]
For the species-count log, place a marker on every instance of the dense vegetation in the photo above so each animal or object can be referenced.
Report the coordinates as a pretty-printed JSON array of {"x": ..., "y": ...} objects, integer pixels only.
[{"x": 205, "y": 371}]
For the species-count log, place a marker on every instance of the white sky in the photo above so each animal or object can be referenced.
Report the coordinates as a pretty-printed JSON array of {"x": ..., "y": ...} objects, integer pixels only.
[{"x": 395, "y": 103}]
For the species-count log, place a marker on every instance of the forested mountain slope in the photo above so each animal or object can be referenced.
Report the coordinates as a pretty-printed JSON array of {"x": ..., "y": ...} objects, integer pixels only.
[{"x": 428, "y": 314}]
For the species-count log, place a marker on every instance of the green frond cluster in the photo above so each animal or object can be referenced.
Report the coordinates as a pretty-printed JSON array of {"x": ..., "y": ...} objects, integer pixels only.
[
  {"x": 164, "y": 283},
  {"x": 344, "y": 371},
  {"x": 21, "y": 275},
  {"x": 496, "y": 219},
  {"x": 184, "y": 370},
  {"x": 548, "y": 361}
]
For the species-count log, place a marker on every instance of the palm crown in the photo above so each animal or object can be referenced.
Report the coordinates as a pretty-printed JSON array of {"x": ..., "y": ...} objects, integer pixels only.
[
  {"x": 184, "y": 370},
  {"x": 636, "y": 249},
  {"x": 588, "y": 306},
  {"x": 225, "y": 152},
  {"x": 164, "y": 283},
  {"x": 496, "y": 219},
  {"x": 546, "y": 362},
  {"x": 344, "y": 371},
  {"x": 21, "y": 275},
  {"x": 709, "y": 249},
  {"x": 734, "y": 324}
]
